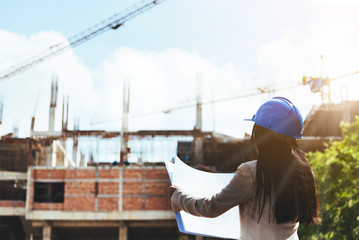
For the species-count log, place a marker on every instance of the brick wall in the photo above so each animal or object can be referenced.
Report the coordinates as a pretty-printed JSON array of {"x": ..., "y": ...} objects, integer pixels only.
[
  {"x": 10, "y": 203},
  {"x": 100, "y": 189}
]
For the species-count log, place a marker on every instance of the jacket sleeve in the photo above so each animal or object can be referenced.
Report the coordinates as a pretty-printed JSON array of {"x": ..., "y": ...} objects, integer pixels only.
[{"x": 239, "y": 190}]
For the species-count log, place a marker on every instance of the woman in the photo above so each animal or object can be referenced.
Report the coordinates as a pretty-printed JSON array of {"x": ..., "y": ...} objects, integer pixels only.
[{"x": 277, "y": 191}]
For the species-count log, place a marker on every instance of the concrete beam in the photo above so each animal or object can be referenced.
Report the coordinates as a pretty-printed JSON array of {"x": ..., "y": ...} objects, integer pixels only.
[
  {"x": 47, "y": 134},
  {"x": 12, "y": 211},
  {"x": 37, "y": 224},
  {"x": 156, "y": 165},
  {"x": 89, "y": 215},
  {"x": 152, "y": 223},
  {"x": 102, "y": 223},
  {"x": 7, "y": 175},
  {"x": 141, "y": 133}
]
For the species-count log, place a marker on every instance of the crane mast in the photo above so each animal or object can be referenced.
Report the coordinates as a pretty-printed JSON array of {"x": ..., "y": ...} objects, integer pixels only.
[{"x": 112, "y": 22}]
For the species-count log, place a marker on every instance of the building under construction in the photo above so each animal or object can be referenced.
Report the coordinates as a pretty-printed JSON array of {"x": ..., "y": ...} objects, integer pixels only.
[
  {"x": 77, "y": 184},
  {"x": 51, "y": 189}
]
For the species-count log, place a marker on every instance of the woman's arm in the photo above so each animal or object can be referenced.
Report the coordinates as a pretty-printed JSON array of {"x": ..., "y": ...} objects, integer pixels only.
[{"x": 239, "y": 190}]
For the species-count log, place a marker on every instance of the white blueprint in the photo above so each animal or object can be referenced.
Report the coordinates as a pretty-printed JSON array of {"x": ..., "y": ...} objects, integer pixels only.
[{"x": 204, "y": 184}]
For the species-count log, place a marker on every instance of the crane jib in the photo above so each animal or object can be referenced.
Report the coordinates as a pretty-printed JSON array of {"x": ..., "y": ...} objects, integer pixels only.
[{"x": 113, "y": 22}]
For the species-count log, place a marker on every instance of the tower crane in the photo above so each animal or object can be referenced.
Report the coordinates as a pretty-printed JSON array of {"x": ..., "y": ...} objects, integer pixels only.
[
  {"x": 113, "y": 22},
  {"x": 318, "y": 84},
  {"x": 322, "y": 84}
]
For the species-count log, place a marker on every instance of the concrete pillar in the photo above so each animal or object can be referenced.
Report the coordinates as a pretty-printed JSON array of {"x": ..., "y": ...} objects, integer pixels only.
[
  {"x": 198, "y": 125},
  {"x": 125, "y": 117},
  {"x": 53, "y": 101},
  {"x": 75, "y": 143},
  {"x": 198, "y": 150},
  {"x": 122, "y": 233},
  {"x": 15, "y": 129},
  {"x": 53, "y": 156},
  {"x": 65, "y": 113},
  {"x": 49, "y": 155},
  {"x": 46, "y": 232},
  {"x": 32, "y": 129}
]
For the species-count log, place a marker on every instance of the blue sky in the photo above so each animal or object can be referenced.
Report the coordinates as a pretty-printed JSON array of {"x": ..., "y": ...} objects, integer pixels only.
[{"x": 236, "y": 46}]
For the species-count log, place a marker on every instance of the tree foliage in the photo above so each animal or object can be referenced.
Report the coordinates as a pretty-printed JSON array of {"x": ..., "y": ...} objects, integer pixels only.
[{"x": 337, "y": 172}]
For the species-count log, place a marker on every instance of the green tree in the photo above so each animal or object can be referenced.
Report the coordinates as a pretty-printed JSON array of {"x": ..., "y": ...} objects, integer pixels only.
[{"x": 337, "y": 171}]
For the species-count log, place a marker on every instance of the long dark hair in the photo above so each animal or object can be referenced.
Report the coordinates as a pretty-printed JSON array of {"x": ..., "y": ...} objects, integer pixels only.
[{"x": 284, "y": 178}]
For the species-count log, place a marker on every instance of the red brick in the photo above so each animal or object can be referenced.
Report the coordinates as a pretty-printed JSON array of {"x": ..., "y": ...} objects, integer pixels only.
[
  {"x": 107, "y": 204},
  {"x": 19, "y": 203},
  {"x": 109, "y": 173},
  {"x": 156, "y": 174},
  {"x": 132, "y": 203},
  {"x": 41, "y": 206},
  {"x": 108, "y": 188},
  {"x": 57, "y": 174},
  {"x": 79, "y": 188},
  {"x": 6, "y": 203},
  {"x": 41, "y": 174},
  {"x": 156, "y": 188},
  {"x": 80, "y": 173},
  {"x": 132, "y": 174},
  {"x": 157, "y": 203},
  {"x": 132, "y": 188},
  {"x": 57, "y": 206},
  {"x": 79, "y": 203}
]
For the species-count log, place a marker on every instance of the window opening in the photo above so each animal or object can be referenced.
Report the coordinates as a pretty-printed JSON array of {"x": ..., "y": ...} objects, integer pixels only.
[{"x": 49, "y": 192}]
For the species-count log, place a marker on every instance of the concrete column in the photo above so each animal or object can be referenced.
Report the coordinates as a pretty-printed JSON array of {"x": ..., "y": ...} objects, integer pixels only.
[
  {"x": 53, "y": 101},
  {"x": 198, "y": 125},
  {"x": 122, "y": 233},
  {"x": 125, "y": 117},
  {"x": 53, "y": 156},
  {"x": 198, "y": 150},
  {"x": 46, "y": 232}
]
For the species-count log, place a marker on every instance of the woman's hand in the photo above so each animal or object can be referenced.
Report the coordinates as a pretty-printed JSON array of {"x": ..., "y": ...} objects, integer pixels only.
[{"x": 171, "y": 190}]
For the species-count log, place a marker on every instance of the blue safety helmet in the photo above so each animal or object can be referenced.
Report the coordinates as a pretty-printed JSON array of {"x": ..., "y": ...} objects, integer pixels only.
[{"x": 280, "y": 115}]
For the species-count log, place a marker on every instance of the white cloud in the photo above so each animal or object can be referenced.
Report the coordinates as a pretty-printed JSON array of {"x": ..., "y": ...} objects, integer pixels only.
[
  {"x": 298, "y": 53},
  {"x": 21, "y": 91},
  {"x": 166, "y": 80},
  {"x": 158, "y": 80}
]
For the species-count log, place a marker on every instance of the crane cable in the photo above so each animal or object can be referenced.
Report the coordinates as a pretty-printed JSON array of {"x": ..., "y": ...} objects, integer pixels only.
[
  {"x": 261, "y": 91},
  {"x": 225, "y": 99},
  {"x": 112, "y": 22}
]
